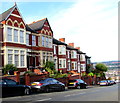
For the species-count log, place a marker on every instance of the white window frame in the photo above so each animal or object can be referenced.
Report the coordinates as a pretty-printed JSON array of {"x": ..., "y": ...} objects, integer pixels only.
[
  {"x": 21, "y": 36},
  {"x": 27, "y": 38},
  {"x": 62, "y": 50},
  {"x": 33, "y": 40},
  {"x": 62, "y": 63},
  {"x": 22, "y": 58},
  {"x": 10, "y": 53},
  {"x": 16, "y": 62},
  {"x": 9, "y": 34},
  {"x": 16, "y": 35}
]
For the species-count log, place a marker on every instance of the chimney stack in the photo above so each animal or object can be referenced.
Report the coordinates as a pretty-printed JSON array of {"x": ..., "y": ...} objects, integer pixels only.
[
  {"x": 78, "y": 48},
  {"x": 62, "y": 39},
  {"x": 71, "y": 44}
]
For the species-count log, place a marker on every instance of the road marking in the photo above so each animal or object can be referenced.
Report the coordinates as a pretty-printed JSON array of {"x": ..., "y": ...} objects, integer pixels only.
[
  {"x": 44, "y": 99},
  {"x": 67, "y": 95},
  {"x": 74, "y": 94}
]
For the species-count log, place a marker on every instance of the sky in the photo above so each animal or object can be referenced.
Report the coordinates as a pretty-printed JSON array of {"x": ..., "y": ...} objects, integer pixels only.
[{"x": 91, "y": 24}]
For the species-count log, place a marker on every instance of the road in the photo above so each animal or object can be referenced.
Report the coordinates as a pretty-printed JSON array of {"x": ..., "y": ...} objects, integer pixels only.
[{"x": 96, "y": 93}]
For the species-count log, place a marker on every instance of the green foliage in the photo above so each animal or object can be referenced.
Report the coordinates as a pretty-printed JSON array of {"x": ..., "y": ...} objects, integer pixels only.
[
  {"x": 60, "y": 75},
  {"x": 90, "y": 74},
  {"x": 29, "y": 72},
  {"x": 49, "y": 67},
  {"x": 50, "y": 64},
  {"x": 101, "y": 67},
  {"x": 9, "y": 67}
]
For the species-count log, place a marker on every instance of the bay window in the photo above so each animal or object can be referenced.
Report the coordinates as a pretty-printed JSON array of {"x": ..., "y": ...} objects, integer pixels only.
[
  {"x": 43, "y": 42},
  {"x": 33, "y": 40},
  {"x": 21, "y": 36},
  {"x": 22, "y": 58},
  {"x": 16, "y": 57},
  {"x": 62, "y": 50},
  {"x": 15, "y": 35},
  {"x": 10, "y": 56},
  {"x": 62, "y": 63},
  {"x": 27, "y": 39},
  {"x": 47, "y": 42},
  {"x": 9, "y": 34}
]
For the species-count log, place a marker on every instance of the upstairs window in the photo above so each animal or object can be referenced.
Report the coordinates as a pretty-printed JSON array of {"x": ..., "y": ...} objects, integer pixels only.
[
  {"x": 27, "y": 39},
  {"x": 43, "y": 42},
  {"x": 33, "y": 40},
  {"x": 62, "y": 50},
  {"x": 21, "y": 36},
  {"x": 47, "y": 42},
  {"x": 15, "y": 35},
  {"x": 50, "y": 42},
  {"x": 9, "y": 34},
  {"x": 73, "y": 54}
]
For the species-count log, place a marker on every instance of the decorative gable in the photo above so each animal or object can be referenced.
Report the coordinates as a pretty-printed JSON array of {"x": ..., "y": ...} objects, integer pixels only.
[{"x": 13, "y": 17}]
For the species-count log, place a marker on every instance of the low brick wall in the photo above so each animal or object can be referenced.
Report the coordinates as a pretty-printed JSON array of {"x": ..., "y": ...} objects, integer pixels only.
[
  {"x": 74, "y": 77},
  {"x": 32, "y": 78},
  {"x": 63, "y": 80}
]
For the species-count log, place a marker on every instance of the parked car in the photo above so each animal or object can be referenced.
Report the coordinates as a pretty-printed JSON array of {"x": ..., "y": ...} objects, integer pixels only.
[
  {"x": 112, "y": 82},
  {"x": 11, "y": 87},
  {"x": 105, "y": 82},
  {"x": 48, "y": 85},
  {"x": 77, "y": 83}
]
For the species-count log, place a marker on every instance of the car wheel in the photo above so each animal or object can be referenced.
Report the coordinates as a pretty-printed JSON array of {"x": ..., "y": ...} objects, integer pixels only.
[
  {"x": 47, "y": 90},
  {"x": 62, "y": 88},
  {"x": 78, "y": 87},
  {"x": 26, "y": 91}
]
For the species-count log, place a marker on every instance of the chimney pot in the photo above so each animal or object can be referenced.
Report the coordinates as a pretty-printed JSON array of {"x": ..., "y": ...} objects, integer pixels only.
[
  {"x": 71, "y": 44},
  {"x": 62, "y": 39},
  {"x": 78, "y": 48}
]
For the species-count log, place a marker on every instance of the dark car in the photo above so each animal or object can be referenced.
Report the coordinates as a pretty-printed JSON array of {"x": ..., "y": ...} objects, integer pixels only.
[
  {"x": 11, "y": 87},
  {"x": 112, "y": 82},
  {"x": 47, "y": 85},
  {"x": 105, "y": 83},
  {"x": 77, "y": 83}
]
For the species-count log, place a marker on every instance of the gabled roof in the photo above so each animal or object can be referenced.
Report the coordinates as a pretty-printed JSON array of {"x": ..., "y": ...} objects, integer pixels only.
[
  {"x": 6, "y": 14},
  {"x": 28, "y": 28},
  {"x": 37, "y": 25},
  {"x": 55, "y": 41}
]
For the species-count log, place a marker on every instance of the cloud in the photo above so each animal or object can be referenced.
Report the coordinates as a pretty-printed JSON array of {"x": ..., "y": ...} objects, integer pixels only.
[{"x": 92, "y": 25}]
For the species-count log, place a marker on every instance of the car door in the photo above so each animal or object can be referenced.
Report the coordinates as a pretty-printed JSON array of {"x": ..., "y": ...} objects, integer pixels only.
[
  {"x": 49, "y": 84},
  {"x": 56, "y": 84},
  {"x": 4, "y": 87},
  {"x": 12, "y": 87}
]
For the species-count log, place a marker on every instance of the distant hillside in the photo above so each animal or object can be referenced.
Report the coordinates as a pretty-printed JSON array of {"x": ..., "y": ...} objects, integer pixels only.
[{"x": 110, "y": 64}]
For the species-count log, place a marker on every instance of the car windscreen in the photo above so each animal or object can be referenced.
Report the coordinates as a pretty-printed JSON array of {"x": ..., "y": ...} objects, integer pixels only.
[
  {"x": 81, "y": 81},
  {"x": 102, "y": 81}
]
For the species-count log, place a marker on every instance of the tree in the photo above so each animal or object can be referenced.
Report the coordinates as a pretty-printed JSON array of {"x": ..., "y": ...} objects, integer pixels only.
[
  {"x": 101, "y": 67},
  {"x": 9, "y": 68}
]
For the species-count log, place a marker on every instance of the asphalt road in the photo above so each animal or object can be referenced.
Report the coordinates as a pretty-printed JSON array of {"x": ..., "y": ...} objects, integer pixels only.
[{"x": 96, "y": 93}]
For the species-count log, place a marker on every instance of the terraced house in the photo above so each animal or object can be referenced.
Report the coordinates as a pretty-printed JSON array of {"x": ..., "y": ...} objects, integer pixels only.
[{"x": 29, "y": 46}]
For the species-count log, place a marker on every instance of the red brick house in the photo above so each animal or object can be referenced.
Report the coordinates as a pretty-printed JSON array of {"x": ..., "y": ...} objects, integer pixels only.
[
  {"x": 60, "y": 55},
  {"x": 26, "y": 46}
]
